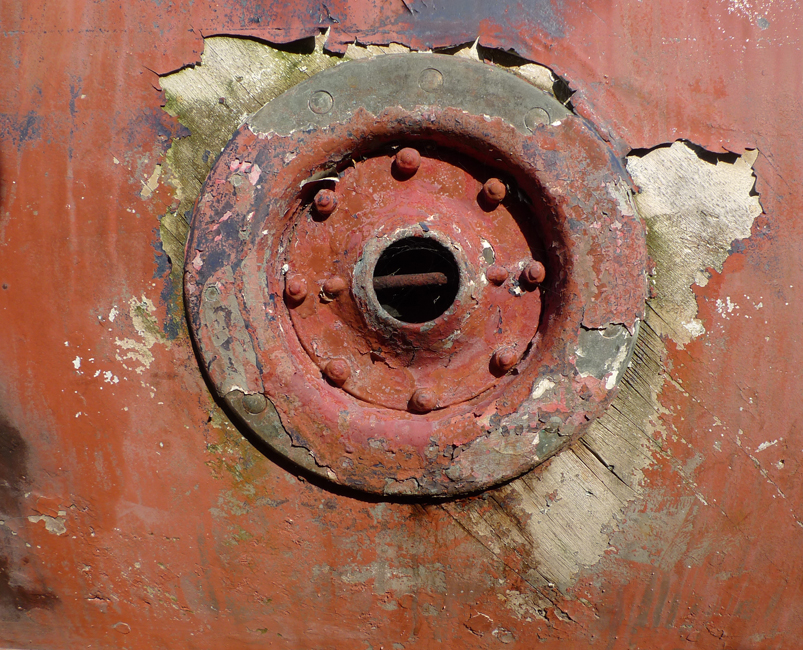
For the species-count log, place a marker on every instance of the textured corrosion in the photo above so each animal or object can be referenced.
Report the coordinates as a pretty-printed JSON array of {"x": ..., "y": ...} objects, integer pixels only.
[
  {"x": 674, "y": 522},
  {"x": 256, "y": 238}
]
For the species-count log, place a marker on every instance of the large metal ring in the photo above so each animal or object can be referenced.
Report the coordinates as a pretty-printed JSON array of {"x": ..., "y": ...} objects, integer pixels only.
[{"x": 283, "y": 292}]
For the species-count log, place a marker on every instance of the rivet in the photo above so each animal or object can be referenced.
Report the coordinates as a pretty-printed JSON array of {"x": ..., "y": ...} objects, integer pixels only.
[
  {"x": 534, "y": 272},
  {"x": 496, "y": 274},
  {"x": 337, "y": 371},
  {"x": 408, "y": 160},
  {"x": 255, "y": 403},
  {"x": 423, "y": 400},
  {"x": 334, "y": 286},
  {"x": 494, "y": 191},
  {"x": 211, "y": 293},
  {"x": 430, "y": 80},
  {"x": 321, "y": 102},
  {"x": 325, "y": 202},
  {"x": 505, "y": 358},
  {"x": 536, "y": 117},
  {"x": 295, "y": 288}
]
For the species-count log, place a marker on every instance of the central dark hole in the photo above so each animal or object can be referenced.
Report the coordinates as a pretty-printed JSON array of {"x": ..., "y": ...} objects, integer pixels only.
[{"x": 426, "y": 279}]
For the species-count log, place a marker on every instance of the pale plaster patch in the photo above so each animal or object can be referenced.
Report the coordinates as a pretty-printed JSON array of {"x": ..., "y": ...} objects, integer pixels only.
[{"x": 694, "y": 210}]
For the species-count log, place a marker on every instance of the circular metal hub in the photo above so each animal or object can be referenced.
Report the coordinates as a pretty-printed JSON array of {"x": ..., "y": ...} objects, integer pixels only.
[
  {"x": 413, "y": 251},
  {"x": 403, "y": 281}
]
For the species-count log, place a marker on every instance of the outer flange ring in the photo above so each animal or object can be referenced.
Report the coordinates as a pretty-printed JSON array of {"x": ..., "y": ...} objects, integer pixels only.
[{"x": 593, "y": 299}]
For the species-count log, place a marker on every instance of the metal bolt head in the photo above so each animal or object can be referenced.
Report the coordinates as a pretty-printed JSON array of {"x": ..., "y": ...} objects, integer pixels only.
[
  {"x": 295, "y": 288},
  {"x": 535, "y": 117},
  {"x": 534, "y": 272},
  {"x": 408, "y": 160},
  {"x": 430, "y": 80},
  {"x": 337, "y": 371},
  {"x": 496, "y": 274},
  {"x": 423, "y": 400},
  {"x": 334, "y": 286},
  {"x": 321, "y": 102},
  {"x": 505, "y": 358},
  {"x": 325, "y": 202},
  {"x": 494, "y": 191},
  {"x": 255, "y": 403}
]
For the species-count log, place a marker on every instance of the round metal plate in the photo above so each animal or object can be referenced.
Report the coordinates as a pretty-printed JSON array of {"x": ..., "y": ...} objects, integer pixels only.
[
  {"x": 389, "y": 359},
  {"x": 255, "y": 233}
]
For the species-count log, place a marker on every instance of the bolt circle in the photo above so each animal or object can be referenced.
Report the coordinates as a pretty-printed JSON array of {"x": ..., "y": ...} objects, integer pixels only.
[
  {"x": 255, "y": 403},
  {"x": 504, "y": 358},
  {"x": 496, "y": 274},
  {"x": 494, "y": 191},
  {"x": 408, "y": 160},
  {"x": 534, "y": 273},
  {"x": 423, "y": 400},
  {"x": 321, "y": 102},
  {"x": 337, "y": 371},
  {"x": 295, "y": 288},
  {"x": 334, "y": 286},
  {"x": 325, "y": 202}
]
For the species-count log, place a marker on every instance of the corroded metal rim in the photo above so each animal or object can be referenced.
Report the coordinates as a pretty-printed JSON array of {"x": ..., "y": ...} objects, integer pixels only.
[{"x": 592, "y": 302}]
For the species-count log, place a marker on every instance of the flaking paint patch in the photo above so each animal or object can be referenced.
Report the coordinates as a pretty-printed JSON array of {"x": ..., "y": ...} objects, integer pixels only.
[
  {"x": 694, "y": 210},
  {"x": 54, "y": 525},
  {"x": 149, "y": 187},
  {"x": 136, "y": 354}
]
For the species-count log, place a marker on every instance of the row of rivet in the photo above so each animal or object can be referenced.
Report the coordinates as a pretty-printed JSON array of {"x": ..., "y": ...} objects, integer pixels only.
[{"x": 321, "y": 102}]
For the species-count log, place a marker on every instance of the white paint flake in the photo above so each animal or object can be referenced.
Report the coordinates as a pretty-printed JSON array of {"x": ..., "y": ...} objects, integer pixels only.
[
  {"x": 766, "y": 445},
  {"x": 542, "y": 387}
]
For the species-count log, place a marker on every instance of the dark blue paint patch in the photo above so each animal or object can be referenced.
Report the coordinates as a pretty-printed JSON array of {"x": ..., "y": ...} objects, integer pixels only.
[
  {"x": 737, "y": 246},
  {"x": 20, "y": 129},
  {"x": 75, "y": 90},
  {"x": 170, "y": 294},
  {"x": 444, "y": 16},
  {"x": 163, "y": 262},
  {"x": 162, "y": 127}
]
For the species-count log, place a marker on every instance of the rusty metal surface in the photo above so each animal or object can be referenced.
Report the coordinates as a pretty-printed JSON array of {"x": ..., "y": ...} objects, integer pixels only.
[
  {"x": 424, "y": 407},
  {"x": 135, "y": 516}
]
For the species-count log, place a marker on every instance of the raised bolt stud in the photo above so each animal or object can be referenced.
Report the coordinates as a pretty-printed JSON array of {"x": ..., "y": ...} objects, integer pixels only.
[
  {"x": 504, "y": 359},
  {"x": 338, "y": 371},
  {"x": 496, "y": 274},
  {"x": 408, "y": 160},
  {"x": 325, "y": 202},
  {"x": 295, "y": 288},
  {"x": 534, "y": 273},
  {"x": 494, "y": 191},
  {"x": 255, "y": 403},
  {"x": 334, "y": 286},
  {"x": 423, "y": 400}
]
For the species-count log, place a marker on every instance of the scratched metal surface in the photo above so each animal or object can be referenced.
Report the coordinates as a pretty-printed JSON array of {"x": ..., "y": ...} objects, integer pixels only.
[{"x": 134, "y": 516}]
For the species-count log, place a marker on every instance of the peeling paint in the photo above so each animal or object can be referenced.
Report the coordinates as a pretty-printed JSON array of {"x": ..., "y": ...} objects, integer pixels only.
[
  {"x": 136, "y": 354},
  {"x": 54, "y": 525},
  {"x": 694, "y": 210}
]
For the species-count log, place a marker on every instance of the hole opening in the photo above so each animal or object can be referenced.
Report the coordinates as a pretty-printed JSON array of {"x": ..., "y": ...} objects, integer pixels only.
[{"x": 425, "y": 279}]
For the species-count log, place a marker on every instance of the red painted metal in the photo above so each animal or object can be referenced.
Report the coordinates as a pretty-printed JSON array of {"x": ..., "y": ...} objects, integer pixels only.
[
  {"x": 176, "y": 533},
  {"x": 428, "y": 406}
]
